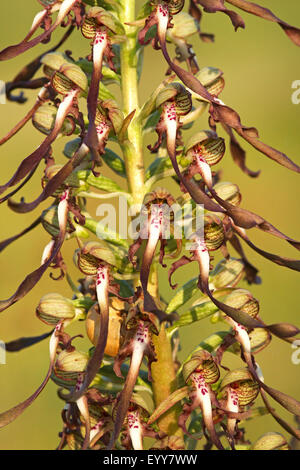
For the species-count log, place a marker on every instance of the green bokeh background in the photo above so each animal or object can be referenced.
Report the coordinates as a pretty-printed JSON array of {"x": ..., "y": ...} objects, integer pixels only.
[{"x": 259, "y": 67}]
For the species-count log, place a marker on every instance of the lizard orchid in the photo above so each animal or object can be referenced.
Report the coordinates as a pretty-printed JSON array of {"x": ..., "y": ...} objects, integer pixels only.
[{"x": 137, "y": 344}]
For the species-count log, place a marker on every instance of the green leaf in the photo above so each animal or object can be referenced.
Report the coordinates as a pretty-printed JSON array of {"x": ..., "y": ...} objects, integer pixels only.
[
  {"x": 168, "y": 403},
  {"x": 196, "y": 313},
  {"x": 183, "y": 295},
  {"x": 108, "y": 75},
  {"x": 114, "y": 162},
  {"x": 105, "y": 233},
  {"x": 99, "y": 182}
]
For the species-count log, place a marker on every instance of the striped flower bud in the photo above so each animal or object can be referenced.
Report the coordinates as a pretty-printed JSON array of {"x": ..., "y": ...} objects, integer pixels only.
[
  {"x": 271, "y": 441},
  {"x": 239, "y": 389},
  {"x": 212, "y": 79},
  {"x": 91, "y": 256},
  {"x": 243, "y": 300},
  {"x": 53, "y": 308},
  {"x": 213, "y": 232},
  {"x": 177, "y": 94},
  {"x": 44, "y": 120},
  {"x": 174, "y": 6},
  {"x": 229, "y": 192},
  {"x": 204, "y": 150},
  {"x": 52, "y": 62},
  {"x": 227, "y": 273},
  {"x": 69, "y": 367},
  {"x": 241, "y": 381},
  {"x": 69, "y": 77},
  {"x": 259, "y": 339},
  {"x": 97, "y": 17}
]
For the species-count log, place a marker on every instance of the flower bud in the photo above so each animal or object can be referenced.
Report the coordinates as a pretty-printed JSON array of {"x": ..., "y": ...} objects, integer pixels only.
[
  {"x": 207, "y": 145},
  {"x": 243, "y": 300},
  {"x": 174, "y": 6},
  {"x": 184, "y": 26},
  {"x": 201, "y": 362},
  {"x": 98, "y": 17},
  {"x": 71, "y": 181},
  {"x": 68, "y": 366},
  {"x": 179, "y": 94},
  {"x": 259, "y": 339},
  {"x": 227, "y": 273},
  {"x": 53, "y": 308},
  {"x": 69, "y": 77},
  {"x": 44, "y": 120},
  {"x": 52, "y": 63},
  {"x": 213, "y": 232},
  {"x": 91, "y": 255},
  {"x": 241, "y": 381},
  {"x": 271, "y": 441},
  {"x": 229, "y": 192}
]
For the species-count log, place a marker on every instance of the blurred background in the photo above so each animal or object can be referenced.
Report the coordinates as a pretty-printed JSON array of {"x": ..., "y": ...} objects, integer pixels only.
[{"x": 259, "y": 64}]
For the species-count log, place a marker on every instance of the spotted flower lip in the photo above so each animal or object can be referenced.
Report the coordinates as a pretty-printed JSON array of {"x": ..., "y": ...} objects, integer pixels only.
[
  {"x": 155, "y": 221},
  {"x": 201, "y": 371}
]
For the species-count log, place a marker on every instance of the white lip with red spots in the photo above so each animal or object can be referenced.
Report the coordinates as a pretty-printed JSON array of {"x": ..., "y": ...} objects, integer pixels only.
[{"x": 135, "y": 430}]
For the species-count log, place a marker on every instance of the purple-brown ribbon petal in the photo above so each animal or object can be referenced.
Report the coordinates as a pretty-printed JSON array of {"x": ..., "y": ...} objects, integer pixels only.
[
  {"x": 213, "y": 6},
  {"x": 10, "y": 240},
  {"x": 32, "y": 161},
  {"x": 292, "y": 32},
  {"x": 32, "y": 279},
  {"x": 13, "y": 51},
  {"x": 25, "y": 342}
]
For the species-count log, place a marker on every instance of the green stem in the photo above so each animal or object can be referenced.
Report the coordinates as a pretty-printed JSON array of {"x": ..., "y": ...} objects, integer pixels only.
[
  {"x": 163, "y": 370},
  {"x": 133, "y": 147},
  {"x": 164, "y": 380}
]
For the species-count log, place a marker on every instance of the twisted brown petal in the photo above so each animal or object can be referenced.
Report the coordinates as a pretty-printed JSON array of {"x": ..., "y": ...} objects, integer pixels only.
[
  {"x": 29, "y": 163},
  {"x": 10, "y": 415},
  {"x": 32, "y": 279},
  {"x": 286, "y": 262},
  {"x": 43, "y": 95},
  {"x": 292, "y": 32},
  {"x": 10, "y": 240},
  {"x": 13, "y": 51},
  {"x": 25, "y": 342},
  {"x": 212, "y": 6}
]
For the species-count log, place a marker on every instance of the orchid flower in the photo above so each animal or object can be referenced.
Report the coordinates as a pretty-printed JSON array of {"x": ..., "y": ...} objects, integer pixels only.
[
  {"x": 201, "y": 371},
  {"x": 240, "y": 390},
  {"x": 137, "y": 344},
  {"x": 155, "y": 223}
]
